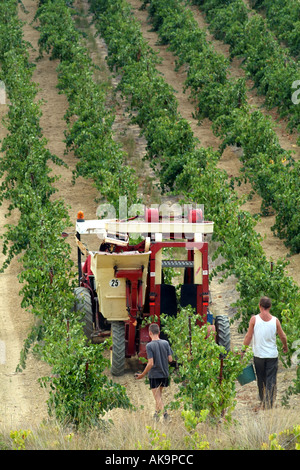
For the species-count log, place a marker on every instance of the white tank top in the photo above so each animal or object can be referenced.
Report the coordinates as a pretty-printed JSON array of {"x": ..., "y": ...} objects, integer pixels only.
[{"x": 264, "y": 338}]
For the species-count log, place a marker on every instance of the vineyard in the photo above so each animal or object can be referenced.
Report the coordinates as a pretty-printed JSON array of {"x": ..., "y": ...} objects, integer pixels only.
[{"x": 204, "y": 90}]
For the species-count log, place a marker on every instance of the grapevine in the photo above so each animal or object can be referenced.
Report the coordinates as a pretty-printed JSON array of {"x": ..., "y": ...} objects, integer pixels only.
[{"x": 283, "y": 17}]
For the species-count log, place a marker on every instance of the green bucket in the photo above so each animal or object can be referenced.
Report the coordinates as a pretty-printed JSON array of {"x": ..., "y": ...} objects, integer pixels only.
[{"x": 247, "y": 376}]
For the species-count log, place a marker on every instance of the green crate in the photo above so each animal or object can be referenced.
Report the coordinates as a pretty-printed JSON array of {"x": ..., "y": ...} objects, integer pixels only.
[{"x": 247, "y": 376}]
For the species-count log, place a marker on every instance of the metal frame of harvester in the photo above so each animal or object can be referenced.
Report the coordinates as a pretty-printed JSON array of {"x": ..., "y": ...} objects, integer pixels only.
[{"x": 121, "y": 287}]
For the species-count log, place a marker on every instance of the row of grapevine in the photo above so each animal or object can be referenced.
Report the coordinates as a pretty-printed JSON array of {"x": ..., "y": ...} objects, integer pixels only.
[
  {"x": 89, "y": 134},
  {"x": 79, "y": 390},
  {"x": 283, "y": 17},
  {"x": 194, "y": 174},
  {"x": 271, "y": 170},
  {"x": 271, "y": 67}
]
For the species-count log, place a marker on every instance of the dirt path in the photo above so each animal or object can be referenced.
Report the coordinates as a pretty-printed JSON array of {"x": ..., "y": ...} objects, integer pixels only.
[{"x": 23, "y": 402}]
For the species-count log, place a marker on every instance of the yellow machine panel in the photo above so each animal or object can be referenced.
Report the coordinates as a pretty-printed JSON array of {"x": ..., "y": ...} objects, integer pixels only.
[{"x": 111, "y": 291}]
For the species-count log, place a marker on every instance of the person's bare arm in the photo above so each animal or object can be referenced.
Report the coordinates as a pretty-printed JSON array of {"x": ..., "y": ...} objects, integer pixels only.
[
  {"x": 146, "y": 370},
  {"x": 249, "y": 334},
  {"x": 281, "y": 335}
]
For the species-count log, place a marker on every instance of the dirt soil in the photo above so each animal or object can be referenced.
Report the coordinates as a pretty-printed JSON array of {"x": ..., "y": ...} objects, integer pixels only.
[{"x": 22, "y": 400}]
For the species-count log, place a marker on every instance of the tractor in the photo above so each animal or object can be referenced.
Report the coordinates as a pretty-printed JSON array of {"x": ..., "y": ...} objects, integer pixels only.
[{"x": 121, "y": 285}]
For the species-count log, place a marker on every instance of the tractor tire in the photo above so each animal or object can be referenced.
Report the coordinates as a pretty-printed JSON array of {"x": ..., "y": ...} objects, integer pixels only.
[
  {"x": 223, "y": 331},
  {"x": 118, "y": 348},
  {"x": 83, "y": 303}
]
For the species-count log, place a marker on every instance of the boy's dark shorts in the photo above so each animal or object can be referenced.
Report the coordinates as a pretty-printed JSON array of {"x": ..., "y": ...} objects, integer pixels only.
[{"x": 159, "y": 382}]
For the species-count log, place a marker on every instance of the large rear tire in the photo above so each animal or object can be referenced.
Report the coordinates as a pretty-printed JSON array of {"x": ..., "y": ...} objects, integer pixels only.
[
  {"x": 118, "y": 348},
  {"x": 223, "y": 331},
  {"x": 83, "y": 303}
]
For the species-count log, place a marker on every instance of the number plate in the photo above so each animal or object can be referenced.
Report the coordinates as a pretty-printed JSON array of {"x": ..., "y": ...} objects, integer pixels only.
[{"x": 114, "y": 283}]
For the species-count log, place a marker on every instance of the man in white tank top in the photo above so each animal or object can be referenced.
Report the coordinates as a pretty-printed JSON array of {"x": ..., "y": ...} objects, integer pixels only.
[{"x": 262, "y": 331}]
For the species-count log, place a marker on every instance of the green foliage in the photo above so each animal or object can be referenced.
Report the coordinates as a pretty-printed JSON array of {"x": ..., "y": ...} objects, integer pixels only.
[
  {"x": 19, "y": 438},
  {"x": 291, "y": 326},
  {"x": 289, "y": 439},
  {"x": 194, "y": 440},
  {"x": 283, "y": 17},
  {"x": 204, "y": 382},
  {"x": 270, "y": 65},
  {"x": 80, "y": 392},
  {"x": 158, "y": 441}
]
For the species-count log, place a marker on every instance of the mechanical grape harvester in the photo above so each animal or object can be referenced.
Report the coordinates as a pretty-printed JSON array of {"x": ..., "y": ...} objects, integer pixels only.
[{"x": 121, "y": 285}]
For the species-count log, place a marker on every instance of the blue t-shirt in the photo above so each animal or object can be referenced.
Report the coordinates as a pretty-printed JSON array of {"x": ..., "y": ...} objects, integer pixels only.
[{"x": 159, "y": 350}]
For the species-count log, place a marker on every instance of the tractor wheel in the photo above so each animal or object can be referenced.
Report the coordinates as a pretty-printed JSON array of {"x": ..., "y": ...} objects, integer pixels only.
[
  {"x": 223, "y": 331},
  {"x": 83, "y": 303},
  {"x": 118, "y": 347}
]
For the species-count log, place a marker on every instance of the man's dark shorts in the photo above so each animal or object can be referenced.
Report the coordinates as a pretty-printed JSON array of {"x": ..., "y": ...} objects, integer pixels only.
[{"x": 161, "y": 382}]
